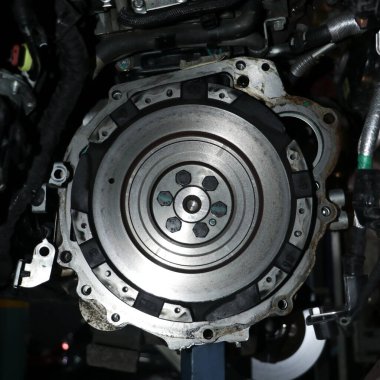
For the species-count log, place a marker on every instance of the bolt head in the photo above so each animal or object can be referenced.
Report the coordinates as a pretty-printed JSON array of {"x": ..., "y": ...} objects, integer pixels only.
[
  {"x": 165, "y": 198},
  {"x": 183, "y": 178},
  {"x": 326, "y": 211},
  {"x": 241, "y": 65},
  {"x": 138, "y": 3},
  {"x": 117, "y": 95},
  {"x": 66, "y": 257},
  {"x": 294, "y": 155},
  {"x": 219, "y": 209},
  {"x": 201, "y": 230},
  {"x": 123, "y": 65},
  {"x": 173, "y": 225},
  {"x": 210, "y": 183}
]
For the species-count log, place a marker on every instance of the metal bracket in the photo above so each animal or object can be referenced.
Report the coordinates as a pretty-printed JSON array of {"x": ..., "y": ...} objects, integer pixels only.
[
  {"x": 38, "y": 271},
  {"x": 316, "y": 317},
  {"x": 338, "y": 197},
  {"x": 344, "y": 315},
  {"x": 377, "y": 44},
  {"x": 144, "y": 6}
]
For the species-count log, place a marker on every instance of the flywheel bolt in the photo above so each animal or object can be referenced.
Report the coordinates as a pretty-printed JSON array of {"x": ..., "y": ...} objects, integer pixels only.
[
  {"x": 210, "y": 183},
  {"x": 183, "y": 178},
  {"x": 201, "y": 230},
  {"x": 219, "y": 209},
  {"x": 165, "y": 198},
  {"x": 173, "y": 224}
]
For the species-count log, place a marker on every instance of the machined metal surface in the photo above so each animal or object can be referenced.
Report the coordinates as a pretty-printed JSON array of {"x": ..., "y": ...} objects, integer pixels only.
[
  {"x": 184, "y": 202},
  {"x": 200, "y": 207},
  {"x": 197, "y": 254}
]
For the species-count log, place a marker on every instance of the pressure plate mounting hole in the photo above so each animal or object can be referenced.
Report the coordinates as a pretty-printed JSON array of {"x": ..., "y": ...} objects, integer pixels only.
[
  {"x": 208, "y": 334},
  {"x": 44, "y": 251}
]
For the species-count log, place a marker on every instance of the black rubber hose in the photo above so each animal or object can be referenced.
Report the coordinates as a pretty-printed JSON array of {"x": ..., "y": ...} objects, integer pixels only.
[
  {"x": 73, "y": 65},
  {"x": 335, "y": 30},
  {"x": 318, "y": 36},
  {"x": 312, "y": 38},
  {"x": 173, "y": 14},
  {"x": 124, "y": 44},
  {"x": 353, "y": 262}
]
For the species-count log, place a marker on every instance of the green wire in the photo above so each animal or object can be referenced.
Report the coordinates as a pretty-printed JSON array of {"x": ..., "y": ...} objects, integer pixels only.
[{"x": 364, "y": 162}]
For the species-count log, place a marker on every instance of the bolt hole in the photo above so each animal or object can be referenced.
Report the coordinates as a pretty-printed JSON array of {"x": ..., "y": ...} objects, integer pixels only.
[
  {"x": 212, "y": 222},
  {"x": 243, "y": 81},
  {"x": 58, "y": 174},
  {"x": 282, "y": 304},
  {"x": 208, "y": 334},
  {"x": 83, "y": 225},
  {"x": 111, "y": 180},
  {"x": 104, "y": 133},
  {"x": 192, "y": 204},
  {"x": 297, "y": 233},
  {"x": 44, "y": 251},
  {"x": 325, "y": 211},
  {"x": 177, "y": 310},
  {"x": 222, "y": 95},
  {"x": 169, "y": 93},
  {"x": 292, "y": 156},
  {"x": 108, "y": 273},
  {"x": 329, "y": 118},
  {"x": 265, "y": 66},
  {"x": 148, "y": 100},
  {"x": 66, "y": 257},
  {"x": 344, "y": 321},
  {"x": 86, "y": 290},
  {"x": 115, "y": 317},
  {"x": 125, "y": 289},
  {"x": 301, "y": 210},
  {"x": 241, "y": 65},
  {"x": 268, "y": 280}
]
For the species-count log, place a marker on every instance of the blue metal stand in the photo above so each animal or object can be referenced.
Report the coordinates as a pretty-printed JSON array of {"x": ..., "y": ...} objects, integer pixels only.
[
  {"x": 13, "y": 331},
  {"x": 205, "y": 362}
]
